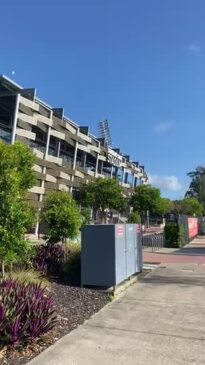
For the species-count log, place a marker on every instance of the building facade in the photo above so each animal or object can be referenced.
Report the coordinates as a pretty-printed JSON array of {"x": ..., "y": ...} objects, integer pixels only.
[{"x": 67, "y": 155}]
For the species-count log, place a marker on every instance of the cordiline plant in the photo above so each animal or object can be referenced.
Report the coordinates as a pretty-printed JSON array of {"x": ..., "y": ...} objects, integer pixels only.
[
  {"x": 26, "y": 312},
  {"x": 48, "y": 258}
]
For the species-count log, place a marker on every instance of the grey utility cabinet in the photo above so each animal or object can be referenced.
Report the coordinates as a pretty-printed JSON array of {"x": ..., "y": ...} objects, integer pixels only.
[{"x": 110, "y": 253}]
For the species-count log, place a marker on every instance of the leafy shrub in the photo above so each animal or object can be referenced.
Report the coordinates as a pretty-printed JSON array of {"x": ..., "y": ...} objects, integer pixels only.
[
  {"x": 48, "y": 258},
  {"x": 182, "y": 235},
  {"x": 134, "y": 217},
  {"x": 171, "y": 231},
  {"x": 71, "y": 267},
  {"x": 62, "y": 216},
  {"x": 26, "y": 260},
  {"x": 21, "y": 258},
  {"x": 74, "y": 258},
  {"x": 26, "y": 312}
]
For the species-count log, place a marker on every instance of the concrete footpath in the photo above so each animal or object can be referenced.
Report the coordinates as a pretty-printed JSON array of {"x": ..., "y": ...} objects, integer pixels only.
[{"x": 160, "y": 320}]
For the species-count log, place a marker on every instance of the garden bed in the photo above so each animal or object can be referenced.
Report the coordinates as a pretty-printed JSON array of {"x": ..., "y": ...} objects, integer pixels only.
[{"x": 73, "y": 306}]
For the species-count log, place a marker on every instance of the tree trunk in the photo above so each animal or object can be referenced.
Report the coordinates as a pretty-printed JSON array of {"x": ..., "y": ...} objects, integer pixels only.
[{"x": 104, "y": 217}]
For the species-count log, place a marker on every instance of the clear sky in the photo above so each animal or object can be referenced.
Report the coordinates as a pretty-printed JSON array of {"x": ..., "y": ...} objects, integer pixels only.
[{"x": 138, "y": 63}]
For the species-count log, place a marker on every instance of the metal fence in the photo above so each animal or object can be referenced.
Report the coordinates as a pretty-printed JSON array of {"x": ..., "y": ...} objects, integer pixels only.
[{"x": 153, "y": 241}]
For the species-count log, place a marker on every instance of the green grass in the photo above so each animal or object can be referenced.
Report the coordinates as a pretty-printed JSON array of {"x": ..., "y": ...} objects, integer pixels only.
[{"x": 29, "y": 276}]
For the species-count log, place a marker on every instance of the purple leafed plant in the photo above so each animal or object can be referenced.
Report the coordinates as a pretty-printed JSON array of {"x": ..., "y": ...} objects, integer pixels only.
[
  {"x": 26, "y": 312},
  {"x": 48, "y": 258}
]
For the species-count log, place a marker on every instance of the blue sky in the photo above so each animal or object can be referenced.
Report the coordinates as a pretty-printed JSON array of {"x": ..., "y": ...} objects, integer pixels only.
[{"x": 138, "y": 63}]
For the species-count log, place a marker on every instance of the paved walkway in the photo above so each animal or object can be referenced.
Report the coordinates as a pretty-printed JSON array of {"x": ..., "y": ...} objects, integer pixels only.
[
  {"x": 192, "y": 253},
  {"x": 160, "y": 320}
]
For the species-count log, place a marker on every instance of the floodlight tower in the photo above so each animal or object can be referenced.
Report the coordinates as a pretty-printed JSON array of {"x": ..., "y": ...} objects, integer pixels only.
[{"x": 104, "y": 132}]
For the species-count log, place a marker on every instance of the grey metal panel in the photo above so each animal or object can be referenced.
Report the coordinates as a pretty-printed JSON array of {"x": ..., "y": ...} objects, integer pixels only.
[
  {"x": 139, "y": 259},
  {"x": 130, "y": 249},
  {"x": 98, "y": 255},
  {"x": 120, "y": 253}
]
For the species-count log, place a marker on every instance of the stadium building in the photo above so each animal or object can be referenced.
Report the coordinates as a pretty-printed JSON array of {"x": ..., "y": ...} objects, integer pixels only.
[{"x": 67, "y": 155}]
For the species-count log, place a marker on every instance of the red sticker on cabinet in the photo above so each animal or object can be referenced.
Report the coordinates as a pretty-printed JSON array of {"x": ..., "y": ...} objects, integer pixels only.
[{"x": 120, "y": 231}]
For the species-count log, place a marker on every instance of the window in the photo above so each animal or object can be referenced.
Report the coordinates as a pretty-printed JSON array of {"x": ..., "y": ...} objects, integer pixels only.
[
  {"x": 40, "y": 140},
  {"x": 41, "y": 136},
  {"x": 53, "y": 146}
]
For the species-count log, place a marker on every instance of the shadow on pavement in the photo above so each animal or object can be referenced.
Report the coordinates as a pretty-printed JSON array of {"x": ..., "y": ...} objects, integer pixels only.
[
  {"x": 191, "y": 251},
  {"x": 188, "y": 251},
  {"x": 183, "y": 279}
]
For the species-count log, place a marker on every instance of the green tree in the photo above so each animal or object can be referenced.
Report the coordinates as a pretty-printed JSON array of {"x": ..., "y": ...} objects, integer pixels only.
[
  {"x": 189, "y": 206},
  {"x": 16, "y": 177},
  {"x": 164, "y": 206},
  {"x": 197, "y": 185},
  {"x": 134, "y": 217},
  {"x": 147, "y": 198},
  {"x": 101, "y": 195},
  {"x": 86, "y": 215},
  {"x": 176, "y": 207},
  {"x": 62, "y": 217}
]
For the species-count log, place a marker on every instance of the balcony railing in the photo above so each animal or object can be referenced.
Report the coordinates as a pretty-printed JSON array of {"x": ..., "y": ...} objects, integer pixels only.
[
  {"x": 38, "y": 146},
  {"x": 67, "y": 160}
]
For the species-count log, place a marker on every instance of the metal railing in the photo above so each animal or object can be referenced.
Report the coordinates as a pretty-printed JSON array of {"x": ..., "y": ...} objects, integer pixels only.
[{"x": 153, "y": 241}]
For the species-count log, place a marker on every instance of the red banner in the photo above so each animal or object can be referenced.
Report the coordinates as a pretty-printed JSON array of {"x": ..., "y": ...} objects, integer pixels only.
[{"x": 192, "y": 227}]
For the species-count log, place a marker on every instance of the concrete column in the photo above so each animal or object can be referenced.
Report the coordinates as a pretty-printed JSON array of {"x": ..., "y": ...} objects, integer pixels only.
[
  {"x": 97, "y": 162},
  {"x": 46, "y": 154},
  {"x": 75, "y": 155},
  {"x": 13, "y": 134},
  {"x": 111, "y": 171},
  {"x": 37, "y": 228},
  {"x": 133, "y": 181},
  {"x": 39, "y": 210},
  {"x": 101, "y": 170},
  {"x": 84, "y": 159},
  {"x": 47, "y": 142},
  {"x": 74, "y": 161},
  {"x": 59, "y": 147},
  {"x": 123, "y": 173}
]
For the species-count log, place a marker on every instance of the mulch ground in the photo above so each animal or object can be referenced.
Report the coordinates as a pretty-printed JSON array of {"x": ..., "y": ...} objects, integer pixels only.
[{"x": 73, "y": 306}]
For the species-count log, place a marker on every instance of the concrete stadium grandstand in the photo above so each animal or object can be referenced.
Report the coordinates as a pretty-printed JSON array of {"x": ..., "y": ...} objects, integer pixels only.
[{"x": 67, "y": 155}]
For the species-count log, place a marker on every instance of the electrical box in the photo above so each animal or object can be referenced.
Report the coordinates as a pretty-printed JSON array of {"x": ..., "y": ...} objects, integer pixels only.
[{"x": 110, "y": 253}]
